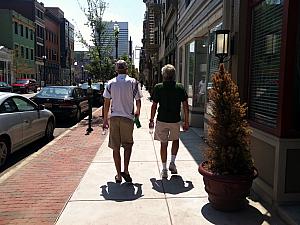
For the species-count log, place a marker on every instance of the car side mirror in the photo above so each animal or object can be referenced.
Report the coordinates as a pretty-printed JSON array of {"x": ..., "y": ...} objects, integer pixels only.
[{"x": 41, "y": 107}]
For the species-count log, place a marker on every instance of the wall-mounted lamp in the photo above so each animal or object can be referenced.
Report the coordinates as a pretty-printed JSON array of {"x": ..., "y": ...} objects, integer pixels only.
[{"x": 222, "y": 44}]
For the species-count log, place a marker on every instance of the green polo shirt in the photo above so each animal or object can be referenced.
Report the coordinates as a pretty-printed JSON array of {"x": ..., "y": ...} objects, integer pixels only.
[{"x": 169, "y": 96}]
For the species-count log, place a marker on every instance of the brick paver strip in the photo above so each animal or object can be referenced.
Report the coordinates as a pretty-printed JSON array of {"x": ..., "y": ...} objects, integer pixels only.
[{"x": 38, "y": 191}]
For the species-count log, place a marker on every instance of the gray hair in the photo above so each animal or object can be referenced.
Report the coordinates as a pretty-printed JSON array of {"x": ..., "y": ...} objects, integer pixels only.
[{"x": 168, "y": 72}]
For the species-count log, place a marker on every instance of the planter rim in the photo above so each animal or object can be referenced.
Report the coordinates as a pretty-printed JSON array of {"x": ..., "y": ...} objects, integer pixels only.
[{"x": 207, "y": 173}]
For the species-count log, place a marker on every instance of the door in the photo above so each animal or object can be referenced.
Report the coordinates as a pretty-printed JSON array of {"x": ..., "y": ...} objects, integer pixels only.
[
  {"x": 31, "y": 119},
  {"x": 11, "y": 123}
]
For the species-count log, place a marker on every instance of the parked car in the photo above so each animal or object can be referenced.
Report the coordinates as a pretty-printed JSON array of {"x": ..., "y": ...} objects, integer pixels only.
[
  {"x": 5, "y": 87},
  {"x": 22, "y": 122},
  {"x": 97, "y": 92},
  {"x": 25, "y": 85},
  {"x": 63, "y": 101}
]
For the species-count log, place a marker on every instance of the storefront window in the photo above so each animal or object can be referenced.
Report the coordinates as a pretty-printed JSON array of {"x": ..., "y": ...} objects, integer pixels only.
[
  {"x": 213, "y": 63},
  {"x": 196, "y": 67},
  {"x": 200, "y": 72},
  {"x": 296, "y": 118},
  {"x": 190, "y": 66},
  {"x": 265, "y": 62}
]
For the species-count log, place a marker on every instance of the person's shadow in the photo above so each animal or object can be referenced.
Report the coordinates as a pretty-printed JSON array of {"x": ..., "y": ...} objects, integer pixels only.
[
  {"x": 121, "y": 192},
  {"x": 175, "y": 185}
]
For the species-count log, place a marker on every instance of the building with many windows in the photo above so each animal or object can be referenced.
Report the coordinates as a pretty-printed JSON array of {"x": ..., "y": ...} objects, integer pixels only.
[
  {"x": 34, "y": 11},
  {"x": 18, "y": 35},
  {"x": 150, "y": 51},
  {"x": 52, "y": 47},
  {"x": 67, "y": 51},
  {"x": 110, "y": 38}
]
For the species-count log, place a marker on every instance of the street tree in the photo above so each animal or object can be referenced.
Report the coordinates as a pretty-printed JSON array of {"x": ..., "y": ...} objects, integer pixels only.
[{"x": 99, "y": 47}]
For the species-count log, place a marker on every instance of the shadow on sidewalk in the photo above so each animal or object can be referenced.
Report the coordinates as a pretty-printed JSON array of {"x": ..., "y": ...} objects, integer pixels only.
[
  {"x": 248, "y": 216},
  {"x": 121, "y": 192},
  {"x": 194, "y": 144},
  {"x": 175, "y": 185}
]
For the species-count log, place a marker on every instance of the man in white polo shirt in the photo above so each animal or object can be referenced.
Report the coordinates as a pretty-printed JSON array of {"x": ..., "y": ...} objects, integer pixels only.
[{"x": 120, "y": 92}]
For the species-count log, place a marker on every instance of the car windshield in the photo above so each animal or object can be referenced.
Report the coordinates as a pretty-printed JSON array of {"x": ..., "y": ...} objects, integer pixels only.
[
  {"x": 94, "y": 86},
  {"x": 2, "y": 84},
  {"x": 22, "y": 81},
  {"x": 55, "y": 91}
]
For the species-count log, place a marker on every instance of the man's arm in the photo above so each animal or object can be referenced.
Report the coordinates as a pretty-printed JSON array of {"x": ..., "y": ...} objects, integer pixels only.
[
  {"x": 186, "y": 115},
  {"x": 153, "y": 110},
  {"x": 138, "y": 104},
  {"x": 152, "y": 115},
  {"x": 105, "y": 112}
]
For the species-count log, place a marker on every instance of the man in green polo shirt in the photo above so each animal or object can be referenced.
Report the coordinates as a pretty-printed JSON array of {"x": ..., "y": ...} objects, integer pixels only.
[{"x": 169, "y": 95}]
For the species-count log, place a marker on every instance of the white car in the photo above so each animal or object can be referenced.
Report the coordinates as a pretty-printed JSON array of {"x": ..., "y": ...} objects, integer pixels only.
[{"x": 22, "y": 122}]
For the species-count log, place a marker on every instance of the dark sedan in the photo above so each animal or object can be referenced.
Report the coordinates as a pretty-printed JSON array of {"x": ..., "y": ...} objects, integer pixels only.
[
  {"x": 63, "y": 101},
  {"x": 97, "y": 92},
  {"x": 5, "y": 87}
]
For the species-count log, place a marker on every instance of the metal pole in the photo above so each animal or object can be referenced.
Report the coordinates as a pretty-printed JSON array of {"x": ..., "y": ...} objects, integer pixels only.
[
  {"x": 90, "y": 95},
  {"x": 117, "y": 46},
  {"x": 70, "y": 70},
  {"x": 44, "y": 71},
  {"x": 82, "y": 74}
]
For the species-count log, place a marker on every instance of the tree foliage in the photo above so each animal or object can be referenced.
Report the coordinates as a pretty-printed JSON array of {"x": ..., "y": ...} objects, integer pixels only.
[
  {"x": 101, "y": 63},
  {"x": 229, "y": 133}
]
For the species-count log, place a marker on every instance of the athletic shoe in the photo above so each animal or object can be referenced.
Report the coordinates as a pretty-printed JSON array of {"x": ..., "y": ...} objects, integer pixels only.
[
  {"x": 164, "y": 173},
  {"x": 172, "y": 168}
]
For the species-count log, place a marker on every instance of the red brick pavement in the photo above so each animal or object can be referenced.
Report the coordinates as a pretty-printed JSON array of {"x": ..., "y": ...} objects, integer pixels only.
[{"x": 37, "y": 192}]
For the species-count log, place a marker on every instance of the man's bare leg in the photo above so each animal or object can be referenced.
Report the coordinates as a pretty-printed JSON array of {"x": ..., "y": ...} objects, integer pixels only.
[
  {"x": 175, "y": 147},
  {"x": 127, "y": 154},
  {"x": 163, "y": 151},
  {"x": 117, "y": 160}
]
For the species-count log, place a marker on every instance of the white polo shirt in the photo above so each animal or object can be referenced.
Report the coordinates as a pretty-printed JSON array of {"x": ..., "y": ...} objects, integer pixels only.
[{"x": 123, "y": 90}]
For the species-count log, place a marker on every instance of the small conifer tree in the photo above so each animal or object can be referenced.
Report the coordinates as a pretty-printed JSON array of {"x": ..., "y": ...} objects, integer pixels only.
[{"x": 229, "y": 134}]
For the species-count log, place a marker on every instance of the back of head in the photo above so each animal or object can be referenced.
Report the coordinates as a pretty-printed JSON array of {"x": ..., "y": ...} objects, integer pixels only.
[
  {"x": 168, "y": 72},
  {"x": 121, "y": 67}
]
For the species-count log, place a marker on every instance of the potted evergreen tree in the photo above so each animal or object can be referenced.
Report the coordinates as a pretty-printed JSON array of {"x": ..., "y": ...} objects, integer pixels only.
[{"x": 228, "y": 171}]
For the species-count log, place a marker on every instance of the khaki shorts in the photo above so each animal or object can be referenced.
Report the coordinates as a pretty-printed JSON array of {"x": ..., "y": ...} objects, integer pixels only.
[
  {"x": 120, "y": 132},
  {"x": 165, "y": 132}
]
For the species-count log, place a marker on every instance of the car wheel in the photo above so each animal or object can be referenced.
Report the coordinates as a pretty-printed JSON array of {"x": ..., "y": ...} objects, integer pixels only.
[
  {"x": 3, "y": 151},
  {"x": 49, "y": 130},
  {"x": 78, "y": 115}
]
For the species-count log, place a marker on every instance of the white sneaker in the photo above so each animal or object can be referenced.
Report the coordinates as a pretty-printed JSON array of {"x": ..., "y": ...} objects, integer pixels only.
[
  {"x": 172, "y": 168},
  {"x": 164, "y": 173}
]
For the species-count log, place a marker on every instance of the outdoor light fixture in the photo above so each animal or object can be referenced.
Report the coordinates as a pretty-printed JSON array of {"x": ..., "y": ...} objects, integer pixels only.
[
  {"x": 222, "y": 44},
  {"x": 116, "y": 31}
]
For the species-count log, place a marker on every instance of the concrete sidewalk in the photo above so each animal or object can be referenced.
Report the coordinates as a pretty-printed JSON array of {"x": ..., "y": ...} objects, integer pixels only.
[{"x": 179, "y": 200}]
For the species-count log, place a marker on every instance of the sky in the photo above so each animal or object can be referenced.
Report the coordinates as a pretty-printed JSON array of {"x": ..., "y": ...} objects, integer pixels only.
[{"x": 131, "y": 11}]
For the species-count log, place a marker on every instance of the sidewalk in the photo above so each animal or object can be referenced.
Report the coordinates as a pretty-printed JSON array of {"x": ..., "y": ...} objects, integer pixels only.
[{"x": 179, "y": 200}]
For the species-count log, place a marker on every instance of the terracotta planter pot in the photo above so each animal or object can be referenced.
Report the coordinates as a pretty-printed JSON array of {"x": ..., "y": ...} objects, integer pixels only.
[{"x": 227, "y": 192}]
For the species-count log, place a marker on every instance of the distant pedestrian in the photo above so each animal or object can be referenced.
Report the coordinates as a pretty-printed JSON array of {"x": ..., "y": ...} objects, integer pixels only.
[
  {"x": 120, "y": 92},
  {"x": 168, "y": 95}
]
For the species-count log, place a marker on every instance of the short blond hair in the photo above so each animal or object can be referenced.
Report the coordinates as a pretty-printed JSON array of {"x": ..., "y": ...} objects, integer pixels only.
[{"x": 168, "y": 72}]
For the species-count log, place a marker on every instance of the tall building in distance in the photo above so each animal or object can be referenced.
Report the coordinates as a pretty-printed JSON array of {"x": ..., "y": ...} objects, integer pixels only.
[{"x": 123, "y": 47}]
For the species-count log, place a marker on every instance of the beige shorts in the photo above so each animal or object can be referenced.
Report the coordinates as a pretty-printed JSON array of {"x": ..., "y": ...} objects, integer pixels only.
[
  {"x": 120, "y": 132},
  {"x": 165, "y": 132}
]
